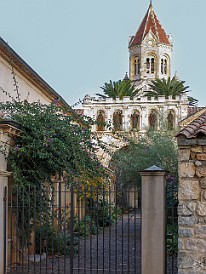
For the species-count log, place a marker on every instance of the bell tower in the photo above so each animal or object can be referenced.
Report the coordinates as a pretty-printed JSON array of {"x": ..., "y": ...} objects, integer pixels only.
[{"x": 149, "y": 51}]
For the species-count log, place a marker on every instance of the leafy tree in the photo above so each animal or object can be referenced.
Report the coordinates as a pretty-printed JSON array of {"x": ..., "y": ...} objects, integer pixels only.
[
  {"x": 51, "y": 143},
  {"x": 170, "y": 87},
  {"x": 119, "y": 89},
  {"x": 155, "y": 148}
]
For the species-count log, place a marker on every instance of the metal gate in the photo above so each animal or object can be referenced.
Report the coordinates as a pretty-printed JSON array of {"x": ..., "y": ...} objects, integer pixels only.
[
  {"x": 74, "y": 229},
  {"x": 80, "y": 229}
]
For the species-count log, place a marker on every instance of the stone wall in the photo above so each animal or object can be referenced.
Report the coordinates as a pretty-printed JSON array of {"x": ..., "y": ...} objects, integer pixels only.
[{"x": 192, "y": 205}]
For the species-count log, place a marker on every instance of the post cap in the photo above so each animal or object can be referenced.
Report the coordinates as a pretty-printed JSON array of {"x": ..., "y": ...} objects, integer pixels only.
[{"x": 154, "y": 168}]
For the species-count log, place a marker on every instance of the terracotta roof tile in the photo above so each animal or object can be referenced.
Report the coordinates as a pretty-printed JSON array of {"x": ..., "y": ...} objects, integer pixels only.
[
  {"x": 150, "y": 22},
  {"x": 198, "y": 126},
  {"x": 193, "y": 109}
]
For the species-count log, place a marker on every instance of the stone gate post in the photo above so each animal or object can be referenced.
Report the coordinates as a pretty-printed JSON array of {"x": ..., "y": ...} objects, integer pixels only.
[
  {"x": 153, "y": 220},
  {"x": 7, "y": 130}
]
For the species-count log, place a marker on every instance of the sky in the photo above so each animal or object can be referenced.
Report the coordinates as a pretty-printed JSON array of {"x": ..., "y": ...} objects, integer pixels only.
[{"x": 78, "y": 45}]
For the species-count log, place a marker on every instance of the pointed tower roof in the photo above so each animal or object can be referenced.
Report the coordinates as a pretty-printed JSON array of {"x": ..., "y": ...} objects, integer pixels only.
[{"x": 150, "y": 22}]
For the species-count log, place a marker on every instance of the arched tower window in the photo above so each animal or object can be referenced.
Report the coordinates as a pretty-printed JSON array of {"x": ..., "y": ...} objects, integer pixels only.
[
  {"x": 153, "y": 120},
  {"x": 150, "y": 65},
  {"x": 136, "y": 66},
  {"x": 164, "y": 66},
  {"x": 135, "y": 120},
  {"x": 170, "y": 120},
  {"x": 117, "y": 120},
  {"x": 100, "y": 120}
]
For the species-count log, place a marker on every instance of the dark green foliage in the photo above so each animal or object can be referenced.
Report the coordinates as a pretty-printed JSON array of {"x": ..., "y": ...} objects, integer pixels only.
[
  {"x": 192, "y": 101},
  {"x": 84, "y": 227},
  {"x": 50, "y": 143},
  {"x": 119, "y": 89},
  {"x": 154, "y": 148},
  {"x": 88, "y": 226},
  {"x": 107, "y": 213},
  {"x": 170, "y": 87},
  {"x": 172, "y": 239},
  {"x": 48, "y": 239}
]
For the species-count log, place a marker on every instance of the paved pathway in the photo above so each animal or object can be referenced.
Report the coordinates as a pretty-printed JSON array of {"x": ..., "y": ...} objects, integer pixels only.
[{"x": 116, "y": 249}]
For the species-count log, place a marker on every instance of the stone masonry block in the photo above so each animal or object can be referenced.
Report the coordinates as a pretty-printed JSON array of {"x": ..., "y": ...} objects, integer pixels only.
[
  {"x": 187, "y": 170},
  {"x": 186, "y": 232},
  {"x": 196, "y": 149},
  {"x": 183, "y": 210},
  {"x": 201, "y": 171},
  {"x": 191, "y": 206},
  {"x": 203, "y": 183},
  {"x": 200, "y": 231},
  {"x": 189, "y": 190},
  {"x": 197, "y": 245},
  {"x": 186, "y": 260},
  {"x": 195, "y": 271},
  {"x": 201, "y": 156},
  {"x": 201, "y": 209},
  {"x": 186, "y": 221},
  {"x": 184, "y": 154},
  {"x": 198, "y": 163},
  {"x": 180, "y": 244},
  {"x": 203, "y": 195}
]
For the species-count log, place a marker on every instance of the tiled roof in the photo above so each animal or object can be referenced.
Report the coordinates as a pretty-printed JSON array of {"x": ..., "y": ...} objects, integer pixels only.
[
  {"x": 150, "y": 22},
  {"x": 196, "y": 127},
  {"x": 193, "y": 109}
]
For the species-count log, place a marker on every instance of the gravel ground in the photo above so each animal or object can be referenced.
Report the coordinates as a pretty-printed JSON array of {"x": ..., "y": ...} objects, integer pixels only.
[{"x": 116, "y": 249}]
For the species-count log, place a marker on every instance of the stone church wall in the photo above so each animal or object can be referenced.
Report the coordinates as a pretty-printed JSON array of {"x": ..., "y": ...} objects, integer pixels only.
[
  {"x": 143, "y": 106},
  {"x": 192, "y": 205}
]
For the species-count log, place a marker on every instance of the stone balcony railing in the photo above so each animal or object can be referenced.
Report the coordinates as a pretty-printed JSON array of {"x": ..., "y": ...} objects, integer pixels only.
[{"x": 126, "y": 99}]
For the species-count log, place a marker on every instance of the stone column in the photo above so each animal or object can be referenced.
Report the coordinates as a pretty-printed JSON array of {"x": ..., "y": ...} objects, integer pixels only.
[
  {"x": 7, "y": 130},
  {"x": 153, "y": 220}
]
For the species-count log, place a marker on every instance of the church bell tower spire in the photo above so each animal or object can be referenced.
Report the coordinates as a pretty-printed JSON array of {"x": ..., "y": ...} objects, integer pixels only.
[{"x": 150, "y": 50}]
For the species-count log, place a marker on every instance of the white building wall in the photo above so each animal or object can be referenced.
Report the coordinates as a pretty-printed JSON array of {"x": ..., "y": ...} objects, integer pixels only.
[
  {"x": 26, "y": 89},
  {"x": 143, "y": 105}
]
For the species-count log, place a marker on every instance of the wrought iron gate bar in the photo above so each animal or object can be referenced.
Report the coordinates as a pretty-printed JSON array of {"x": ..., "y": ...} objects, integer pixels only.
[{"x": 76, "y": 229}]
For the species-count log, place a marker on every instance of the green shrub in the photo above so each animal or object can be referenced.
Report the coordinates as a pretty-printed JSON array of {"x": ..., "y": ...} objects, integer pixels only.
[
  {"x": 84, "y": 227},
  {"x": 106, "y": 213},
  {"x": 48, "y": 239},
  {"x": 172, "y": 239}
]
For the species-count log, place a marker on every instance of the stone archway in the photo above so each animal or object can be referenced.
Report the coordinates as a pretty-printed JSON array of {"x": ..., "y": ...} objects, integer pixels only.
[{"x": 112, "y": 144}]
